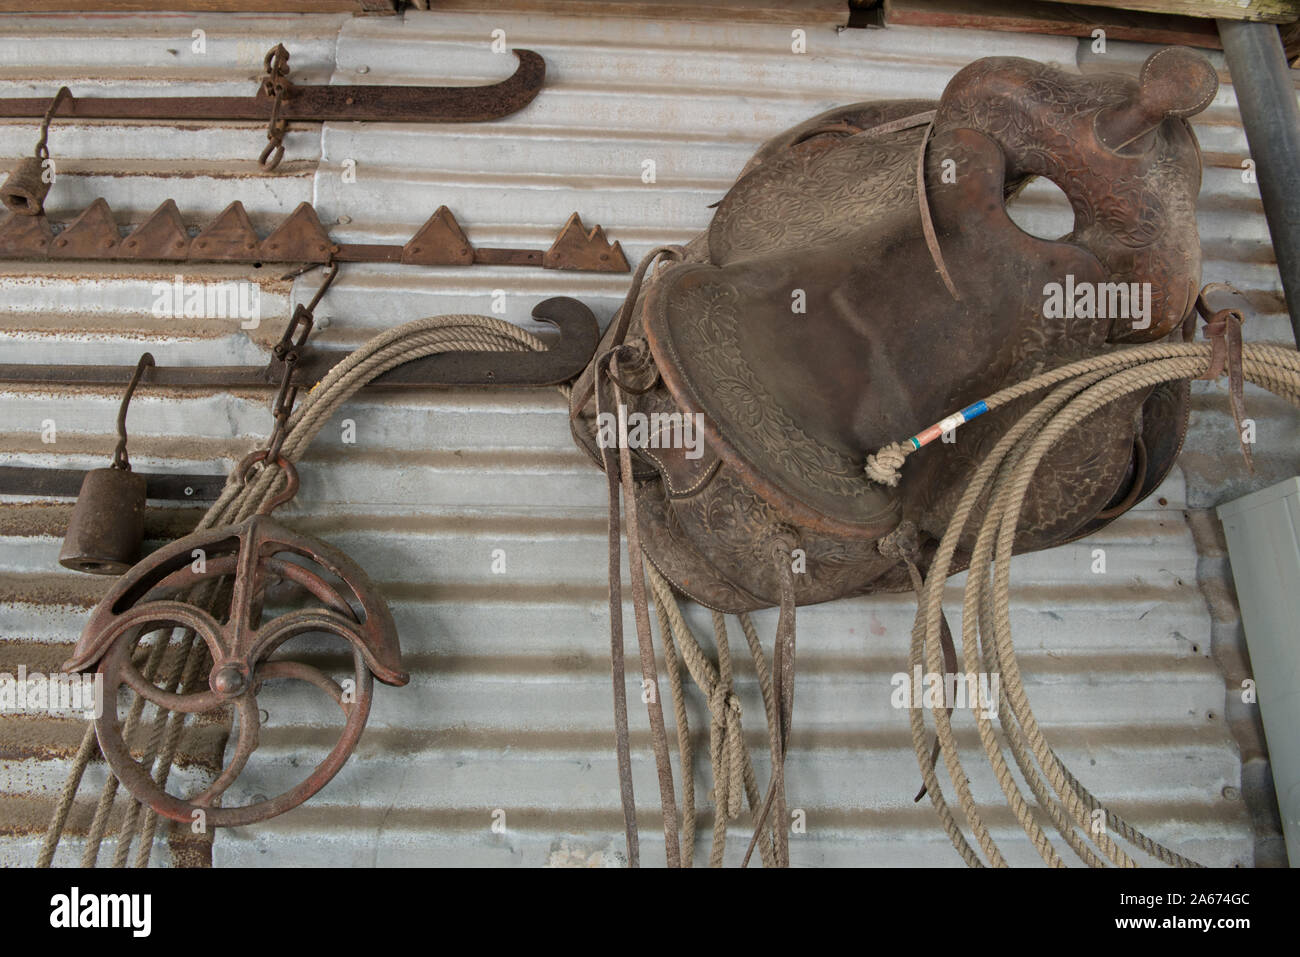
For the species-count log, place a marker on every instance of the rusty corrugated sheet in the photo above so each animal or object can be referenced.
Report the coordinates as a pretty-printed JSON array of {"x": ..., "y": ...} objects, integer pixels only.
[{"x": 508, "y": 707}]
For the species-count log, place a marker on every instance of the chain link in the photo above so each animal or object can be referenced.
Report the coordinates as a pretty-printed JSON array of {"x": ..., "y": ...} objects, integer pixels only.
[
  {"x": 275, "y": 84},
  {"x": 288, "y": 351}
]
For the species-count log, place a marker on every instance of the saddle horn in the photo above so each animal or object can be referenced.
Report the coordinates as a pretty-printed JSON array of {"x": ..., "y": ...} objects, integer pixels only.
[{"x": 1174, "y": 82}]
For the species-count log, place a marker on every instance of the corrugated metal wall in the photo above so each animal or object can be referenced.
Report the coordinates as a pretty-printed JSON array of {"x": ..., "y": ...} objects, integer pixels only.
[{"x": 508, "y": 707}]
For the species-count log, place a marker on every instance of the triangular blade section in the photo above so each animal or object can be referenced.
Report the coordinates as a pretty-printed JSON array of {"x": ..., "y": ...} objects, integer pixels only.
[
  {"x": 439, "y": 242},
  {"x": 299, "y": 239},
  {"x": 25, "y": 237},
  {"x": 229, "y": 236},
  {"x": 92, "y": 235},
  {"x": 161, "y": 236},
  {"x": 579, "y": 248}
]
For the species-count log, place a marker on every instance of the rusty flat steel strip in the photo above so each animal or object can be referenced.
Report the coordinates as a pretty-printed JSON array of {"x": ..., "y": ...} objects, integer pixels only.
[
  {"x": 561, "y": 362},
  {"x": 367, "y": 253},
  {"x": 376, "y": 104},
  {"x": 199, "y": 377},
  {"x": 66, "y": 483},
  {"x": 487, "y": 256}
]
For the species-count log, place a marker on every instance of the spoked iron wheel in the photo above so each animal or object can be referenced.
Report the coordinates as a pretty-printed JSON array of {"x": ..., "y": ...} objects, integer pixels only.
[
  {"x": 161, "y": 594},
  {"x": 228, "y": 686}
]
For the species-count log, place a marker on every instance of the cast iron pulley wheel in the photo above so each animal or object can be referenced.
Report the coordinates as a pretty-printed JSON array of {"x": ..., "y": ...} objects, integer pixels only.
[
  {"x": 172, "y": 590},
  {"x": 232, "y": 684}
]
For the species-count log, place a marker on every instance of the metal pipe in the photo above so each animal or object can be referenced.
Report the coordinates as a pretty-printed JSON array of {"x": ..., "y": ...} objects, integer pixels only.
[{"x": 1266, "y": 97}]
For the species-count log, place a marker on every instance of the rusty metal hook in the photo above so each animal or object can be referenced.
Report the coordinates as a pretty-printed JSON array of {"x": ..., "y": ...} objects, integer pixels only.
[
  {"x": 290, "y": 472},
  {"x": 276, "y": 61},
  {"x": 42, "y": 149},
  {"x": 120, "y": 459}
]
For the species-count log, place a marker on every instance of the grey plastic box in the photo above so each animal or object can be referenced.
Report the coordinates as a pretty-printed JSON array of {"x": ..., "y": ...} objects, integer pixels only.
[{"x": 1263, "y": 533}]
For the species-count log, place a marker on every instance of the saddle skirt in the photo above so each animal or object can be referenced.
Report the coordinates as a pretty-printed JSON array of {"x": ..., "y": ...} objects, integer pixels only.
[{"x": 861, "y": 280}]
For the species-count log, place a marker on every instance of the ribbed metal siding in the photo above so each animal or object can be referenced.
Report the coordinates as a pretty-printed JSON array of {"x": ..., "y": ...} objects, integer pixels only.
[{"x": 508, "y": 707}]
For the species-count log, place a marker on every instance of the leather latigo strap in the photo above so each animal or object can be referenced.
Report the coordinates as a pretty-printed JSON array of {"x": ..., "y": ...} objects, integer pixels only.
[
  {"x": 618, "y": 472},
  {"x": 1223, "y": 329}
]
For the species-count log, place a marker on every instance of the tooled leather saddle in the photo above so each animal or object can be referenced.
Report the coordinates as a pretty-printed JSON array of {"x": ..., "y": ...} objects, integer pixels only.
[{"x": 862, "y": 279}]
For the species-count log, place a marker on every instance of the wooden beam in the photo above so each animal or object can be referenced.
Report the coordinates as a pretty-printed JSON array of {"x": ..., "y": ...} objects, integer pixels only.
[
  {"x": 379, "y": 7},
  {"x": 794, "y": 12},
  {"x": 1291, "y": 43},
  {"x": 1270, "y": 11},
  {"x": 1057, "y": 19}
]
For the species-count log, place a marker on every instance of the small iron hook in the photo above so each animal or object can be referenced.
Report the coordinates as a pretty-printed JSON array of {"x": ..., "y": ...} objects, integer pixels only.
[{"x": 120, "y": 459}]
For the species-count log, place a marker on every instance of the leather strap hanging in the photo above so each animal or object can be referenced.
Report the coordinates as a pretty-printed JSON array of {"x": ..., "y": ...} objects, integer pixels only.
[{"x": 618, "y": 472}]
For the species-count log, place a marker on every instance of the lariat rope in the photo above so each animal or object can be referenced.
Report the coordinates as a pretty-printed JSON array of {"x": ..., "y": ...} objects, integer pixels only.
[
  {"x": 1002, "y": 479},
  {"x": 414, "y": 340}
]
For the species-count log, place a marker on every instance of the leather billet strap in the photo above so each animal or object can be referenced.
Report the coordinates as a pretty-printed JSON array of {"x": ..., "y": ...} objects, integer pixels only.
[
  {"x": 617, "y": 664},
  {"x": 609, "y": 382},
  {"x": 927, "y": 222},
  {"x": 1223, "y": 330}
]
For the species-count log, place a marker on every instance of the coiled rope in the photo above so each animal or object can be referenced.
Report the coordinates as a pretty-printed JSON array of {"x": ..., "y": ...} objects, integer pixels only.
[
  {"x": 1002, "y": 479},
  {"x": 414, "y": 340}
]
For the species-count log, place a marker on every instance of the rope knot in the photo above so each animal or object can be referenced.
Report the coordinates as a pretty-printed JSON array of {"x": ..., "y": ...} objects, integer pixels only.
[
  {"x": 902, "y": 544},
  {"x": 723, "y": 704},
  {"x": 882, "y": 467}
]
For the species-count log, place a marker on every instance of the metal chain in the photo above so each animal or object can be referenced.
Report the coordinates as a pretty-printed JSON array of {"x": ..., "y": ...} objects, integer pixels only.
[
  {"x": 288, "y": 351},
  {"x": 276, "y": 84}
]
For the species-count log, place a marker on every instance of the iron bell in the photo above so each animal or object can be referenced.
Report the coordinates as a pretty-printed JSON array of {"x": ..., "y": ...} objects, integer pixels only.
[
  {"x": 25, "y": 190},
  {"x": 107, "y": 525}
]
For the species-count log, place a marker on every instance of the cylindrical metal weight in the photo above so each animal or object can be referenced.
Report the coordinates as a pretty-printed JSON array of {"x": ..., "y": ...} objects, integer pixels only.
[
  {"x": 25, "y": 190},
  {"x": 107, "y": 524}
]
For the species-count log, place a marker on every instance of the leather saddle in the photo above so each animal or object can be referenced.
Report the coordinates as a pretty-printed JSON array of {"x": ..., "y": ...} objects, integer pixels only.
[{"x": 861, "y": 280}]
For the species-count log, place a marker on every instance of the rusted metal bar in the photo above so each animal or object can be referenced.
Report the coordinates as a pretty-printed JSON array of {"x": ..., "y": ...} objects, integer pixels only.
[
  {"x": 311, "y": 104},
  {"x": 561, "y": 362},
  {"x": 66, "y": 483}
]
